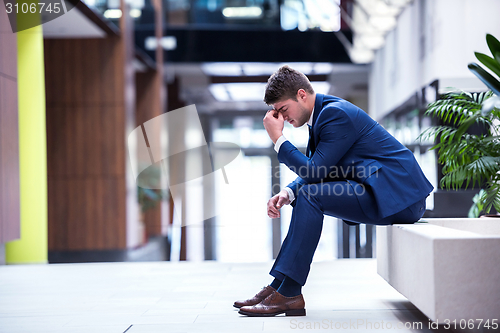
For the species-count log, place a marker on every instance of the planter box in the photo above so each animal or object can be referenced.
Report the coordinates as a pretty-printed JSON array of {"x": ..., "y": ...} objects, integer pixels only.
[{"x": 448, "y": 268}]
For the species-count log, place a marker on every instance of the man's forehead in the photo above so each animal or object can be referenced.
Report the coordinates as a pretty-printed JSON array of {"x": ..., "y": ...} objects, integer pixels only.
[{"x": 278, "y": 105}]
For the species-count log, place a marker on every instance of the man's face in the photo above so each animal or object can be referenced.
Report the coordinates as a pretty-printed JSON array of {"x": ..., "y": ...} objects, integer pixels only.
[{"x": 295, "y": 112}]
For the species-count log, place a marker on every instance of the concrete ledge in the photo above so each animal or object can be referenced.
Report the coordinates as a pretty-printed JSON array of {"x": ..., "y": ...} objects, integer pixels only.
[{"x": 448, "y": 268}]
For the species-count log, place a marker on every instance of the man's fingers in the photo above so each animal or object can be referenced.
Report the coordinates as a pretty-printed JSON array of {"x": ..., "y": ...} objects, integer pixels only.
[
  {"x": 272, "y": 212},
  {"x": 271, "y": 207},
  {"x": 273, "y": 216},
  {"x": 273, "y": 113}
]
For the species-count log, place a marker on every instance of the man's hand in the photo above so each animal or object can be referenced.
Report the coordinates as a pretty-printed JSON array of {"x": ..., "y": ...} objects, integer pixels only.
[
  {"x": 275, "y": 203},
  {"x": 274, "y": 122}
]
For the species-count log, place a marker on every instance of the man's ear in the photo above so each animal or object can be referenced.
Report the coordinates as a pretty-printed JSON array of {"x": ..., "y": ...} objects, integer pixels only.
[{"x": 301, "y": 94}]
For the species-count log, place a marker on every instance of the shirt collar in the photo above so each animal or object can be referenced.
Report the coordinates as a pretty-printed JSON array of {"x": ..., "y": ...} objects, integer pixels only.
[{"x": 310, "y": 121}]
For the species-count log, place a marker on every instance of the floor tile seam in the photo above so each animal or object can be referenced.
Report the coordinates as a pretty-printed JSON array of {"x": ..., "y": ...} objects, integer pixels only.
[{"x": 128, "y": 328}]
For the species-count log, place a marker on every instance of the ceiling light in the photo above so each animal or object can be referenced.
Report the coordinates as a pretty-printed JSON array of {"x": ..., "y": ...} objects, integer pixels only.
[
  {"x": 321, "y": 87},
  {"x": 383, "y": 23},
  {"x": 221, "y": 69},
  {"x": 219, "y": 92},
  {"x": 378, "y": 7},
  {"x": 262, "y": 69},
  {"x": 135, "y": 13},
  {"x": 371, "y": 20},
  {"x": 323, "y": 68},
  {"x": 398, "y": 3},
  {"x": 303, "y": 67},
  {"x": 113, "y": 13},
  {"x": 251, "y": 91},
  {"x": 259, "y": 68},
  {"x": 242, "y": 12},
  {"x": 361, "y": 55},
  {"x": 168, "y": 43},
  {"x": 372, "y": 41},
  {"x": 240, "y": 91},
  {"x": 244, "y": 91}
]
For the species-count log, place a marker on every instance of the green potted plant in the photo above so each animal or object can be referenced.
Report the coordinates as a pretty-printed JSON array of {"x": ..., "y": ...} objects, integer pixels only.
[
  {"x": 470, "y": 158},
  {"x": 149, "y": 198}
]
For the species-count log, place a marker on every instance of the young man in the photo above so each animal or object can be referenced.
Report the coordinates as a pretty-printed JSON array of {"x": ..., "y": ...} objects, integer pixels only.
[{"x": 353, "y": 170}]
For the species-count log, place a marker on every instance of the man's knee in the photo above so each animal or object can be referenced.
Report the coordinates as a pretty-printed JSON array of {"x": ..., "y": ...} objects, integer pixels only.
[
  {"x": 309, "y": 192},
  {"x": 336, "y": 189}
]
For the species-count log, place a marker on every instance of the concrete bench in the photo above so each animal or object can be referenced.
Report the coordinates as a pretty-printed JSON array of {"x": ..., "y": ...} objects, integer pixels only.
[{"x": 448, "y": 268}]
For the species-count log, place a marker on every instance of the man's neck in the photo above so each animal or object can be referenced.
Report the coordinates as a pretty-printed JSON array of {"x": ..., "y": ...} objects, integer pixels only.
[
  {"x": 311, "y": 108},
  {"x": 312, "y": 103}
]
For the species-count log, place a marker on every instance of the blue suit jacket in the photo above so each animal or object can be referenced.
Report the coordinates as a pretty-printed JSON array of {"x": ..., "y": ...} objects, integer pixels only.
[{"x": 348, "y": 144}]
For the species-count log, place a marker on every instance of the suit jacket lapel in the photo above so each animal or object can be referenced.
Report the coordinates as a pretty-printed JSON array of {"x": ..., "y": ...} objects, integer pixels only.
[{"x": 318, "y": 106}]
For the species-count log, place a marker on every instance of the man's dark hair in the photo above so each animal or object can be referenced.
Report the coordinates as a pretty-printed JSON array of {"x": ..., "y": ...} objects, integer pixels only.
[{"x": 284, "y": 84}]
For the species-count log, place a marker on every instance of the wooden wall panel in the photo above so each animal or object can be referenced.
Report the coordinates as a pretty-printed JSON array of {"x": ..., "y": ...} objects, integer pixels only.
[
  {"x": 85, "y": 71},
  {"x": 86, "y": 220},
  {"x": 9, "y": 137},
  {"x": 86, "y": 117}
]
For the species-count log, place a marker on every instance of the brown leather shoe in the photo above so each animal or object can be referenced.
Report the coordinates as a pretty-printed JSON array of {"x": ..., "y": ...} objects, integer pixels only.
[
  {"x": 276, "y": 304},
  {"x": 261, "y": 295}
]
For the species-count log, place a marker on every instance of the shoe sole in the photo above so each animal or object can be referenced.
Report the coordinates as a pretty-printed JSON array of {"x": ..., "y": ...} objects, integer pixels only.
[{"x": 297, "y": 312}]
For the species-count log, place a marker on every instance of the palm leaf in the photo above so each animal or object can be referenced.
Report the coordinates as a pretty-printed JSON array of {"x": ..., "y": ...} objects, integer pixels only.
[
  {"x": 488, "y": 79},
  {"x": 467, "y": 159},
  {"x": 493, "y": 44},
  {"x": 488, "y": 62}
]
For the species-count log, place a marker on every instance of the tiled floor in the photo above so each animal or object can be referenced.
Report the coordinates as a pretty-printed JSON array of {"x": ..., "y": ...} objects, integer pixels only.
[{"x": 193, "y": 297}]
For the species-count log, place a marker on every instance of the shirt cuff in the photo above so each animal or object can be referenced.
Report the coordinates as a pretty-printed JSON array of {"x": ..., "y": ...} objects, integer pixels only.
[
  {"x": 291, "y": 196},
  {"x": 279, "y": 142}
]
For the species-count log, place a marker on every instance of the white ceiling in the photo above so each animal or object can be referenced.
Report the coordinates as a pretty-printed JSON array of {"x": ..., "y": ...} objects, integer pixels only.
[{"x": 73, "y": 24}]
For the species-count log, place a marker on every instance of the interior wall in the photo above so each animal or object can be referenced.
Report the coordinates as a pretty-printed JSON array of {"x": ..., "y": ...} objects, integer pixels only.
[{"x": 434, "y": 40}]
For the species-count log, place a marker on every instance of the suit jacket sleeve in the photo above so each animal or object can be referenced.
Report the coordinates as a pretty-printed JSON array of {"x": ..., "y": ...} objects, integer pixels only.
[{"x": 335, "y": 134}]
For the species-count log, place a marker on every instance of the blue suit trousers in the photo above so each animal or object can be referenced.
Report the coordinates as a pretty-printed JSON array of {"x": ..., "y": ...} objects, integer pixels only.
[{"x": 344, "y": 199}]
